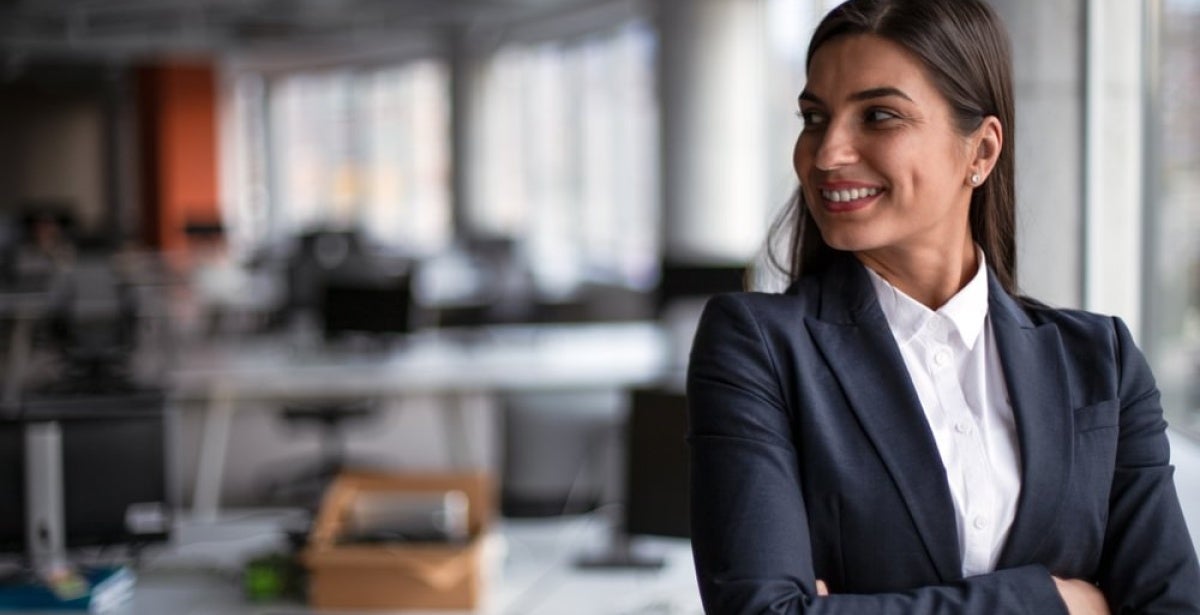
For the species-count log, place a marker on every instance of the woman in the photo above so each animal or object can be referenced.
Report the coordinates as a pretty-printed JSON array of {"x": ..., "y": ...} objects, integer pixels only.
[{"x": 899, "y": 432}]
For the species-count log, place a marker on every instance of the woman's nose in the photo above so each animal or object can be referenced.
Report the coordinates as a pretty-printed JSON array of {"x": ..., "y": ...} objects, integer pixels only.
[{"x": 835, "y": 149}]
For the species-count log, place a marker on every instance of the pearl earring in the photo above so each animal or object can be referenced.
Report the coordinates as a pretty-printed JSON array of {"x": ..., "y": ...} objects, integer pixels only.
[{"x": 974, "y": 179}]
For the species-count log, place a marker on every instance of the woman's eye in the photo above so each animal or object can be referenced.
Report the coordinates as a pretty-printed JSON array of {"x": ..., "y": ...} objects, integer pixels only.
[
  {"x": 879, "y": 115},
  {"x": 811, "y": 118}
]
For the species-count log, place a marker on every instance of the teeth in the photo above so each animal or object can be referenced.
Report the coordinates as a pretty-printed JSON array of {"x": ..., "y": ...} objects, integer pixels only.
[{"x": 841, "y": 196}]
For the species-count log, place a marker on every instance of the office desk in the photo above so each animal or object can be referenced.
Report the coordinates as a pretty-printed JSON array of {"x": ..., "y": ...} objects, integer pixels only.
[
  {"x": 451, "y": 365},
  {"x": 528, "y": 568}
]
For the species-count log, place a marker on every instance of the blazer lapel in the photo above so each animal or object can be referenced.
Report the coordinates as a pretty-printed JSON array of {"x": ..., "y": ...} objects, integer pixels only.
[
  {"x": 853, "y": 335},
  {"x": 1031, "y": 357}
]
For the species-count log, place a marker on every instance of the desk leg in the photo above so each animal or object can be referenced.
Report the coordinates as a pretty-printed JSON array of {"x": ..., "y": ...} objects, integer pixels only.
[
  {"x": 206, "y": 499},
  {"x": 454, "y": 421}
]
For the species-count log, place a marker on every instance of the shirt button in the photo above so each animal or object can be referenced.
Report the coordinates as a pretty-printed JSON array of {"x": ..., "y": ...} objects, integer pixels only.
[
  {"x": 980, "y": 522},
  {"x": 941, "y": 358},
  {"x": 962, "y": 427}
]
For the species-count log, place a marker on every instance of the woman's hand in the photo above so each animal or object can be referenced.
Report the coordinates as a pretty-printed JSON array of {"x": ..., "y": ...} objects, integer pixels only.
[{"x": 1081, "y": 597}]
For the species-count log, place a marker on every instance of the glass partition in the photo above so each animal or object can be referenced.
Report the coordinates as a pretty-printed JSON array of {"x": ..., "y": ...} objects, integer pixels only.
[{"x": 1172, "y": 302}]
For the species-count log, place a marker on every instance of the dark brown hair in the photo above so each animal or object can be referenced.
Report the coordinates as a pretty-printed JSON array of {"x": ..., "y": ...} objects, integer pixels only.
[{"x": 965, "y": 51}]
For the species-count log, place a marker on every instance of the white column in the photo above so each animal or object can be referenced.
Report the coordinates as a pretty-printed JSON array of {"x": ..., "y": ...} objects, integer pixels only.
[
  {"x": 1049, "y": 87},
  {"x": 1114, "y": 160},
  {"x": 463, "y": 83},
  {"x": 711, "y": 86}
]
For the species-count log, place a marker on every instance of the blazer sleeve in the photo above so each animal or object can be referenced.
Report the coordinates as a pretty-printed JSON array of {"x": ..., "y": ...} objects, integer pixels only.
[
  {"x": 1148, "y": 564},
  {"x": 750, "y": 531}
]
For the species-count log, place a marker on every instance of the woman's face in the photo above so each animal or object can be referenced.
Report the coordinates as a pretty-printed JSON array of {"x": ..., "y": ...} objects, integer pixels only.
[{"x": 880, "y": 162}]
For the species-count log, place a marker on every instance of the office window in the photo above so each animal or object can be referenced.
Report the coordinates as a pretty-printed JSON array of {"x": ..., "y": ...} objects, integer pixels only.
[
  {"x": 367, "y": 148},
  {"x": 1172, "y": 249},
  {"x": 567, "y": 157},
  {"x": 789, "y": 26},
  {"x": 246, "y": 204}
]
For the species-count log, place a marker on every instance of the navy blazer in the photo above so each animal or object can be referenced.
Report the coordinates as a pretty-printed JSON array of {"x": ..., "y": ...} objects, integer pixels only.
[{"x": 812, "y": 459}]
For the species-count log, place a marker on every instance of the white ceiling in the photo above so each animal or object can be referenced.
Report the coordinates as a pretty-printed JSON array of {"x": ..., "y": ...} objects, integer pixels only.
[{"x": 124, "y": 29}]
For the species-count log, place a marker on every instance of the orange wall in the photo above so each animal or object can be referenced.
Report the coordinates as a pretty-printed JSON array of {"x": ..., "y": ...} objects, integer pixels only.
[{"x": 179, "y": 124}]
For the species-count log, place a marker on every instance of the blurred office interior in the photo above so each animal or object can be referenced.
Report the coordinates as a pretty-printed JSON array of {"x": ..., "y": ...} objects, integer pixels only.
[{"x": 422, "y": 234}]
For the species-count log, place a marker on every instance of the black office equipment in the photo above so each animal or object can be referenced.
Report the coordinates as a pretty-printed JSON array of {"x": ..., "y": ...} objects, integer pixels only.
[
  {"x": 316, "y": 255},
  {"x": 685, "y": 280},
  {"x": 656, "y": 473},
  {"x": 378, "y": 306},
  {"x": 115, "y": 488},
  {"x": 657, "y": 494},
  {"x": 335, "y": 277},
  {"x": 10, "y": 236}
]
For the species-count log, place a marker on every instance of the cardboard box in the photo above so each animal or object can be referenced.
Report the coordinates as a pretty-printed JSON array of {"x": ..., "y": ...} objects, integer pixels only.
[{"x": 400, "y": 575}]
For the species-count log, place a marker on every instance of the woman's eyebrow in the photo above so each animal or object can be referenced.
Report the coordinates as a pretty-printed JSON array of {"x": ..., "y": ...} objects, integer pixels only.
[
  {"x": 882, "y": 92},
  {"x": 868, "y": 94}
]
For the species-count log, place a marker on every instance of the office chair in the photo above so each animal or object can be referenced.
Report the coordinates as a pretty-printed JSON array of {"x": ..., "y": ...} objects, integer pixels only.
[
  {"x": 333, "y": 278},
  {"x": 318, "y": 255},
  {"x": 91, "y": 325},
  {"x": 330, "y": 417}
]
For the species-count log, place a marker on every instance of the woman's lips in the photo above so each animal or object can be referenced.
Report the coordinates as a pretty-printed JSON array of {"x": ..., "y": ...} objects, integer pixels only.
[{"x": 845, "y": 198}]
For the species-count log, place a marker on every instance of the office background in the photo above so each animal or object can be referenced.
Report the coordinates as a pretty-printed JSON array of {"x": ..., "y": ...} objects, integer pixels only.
[{"x": 546, "y": 155}]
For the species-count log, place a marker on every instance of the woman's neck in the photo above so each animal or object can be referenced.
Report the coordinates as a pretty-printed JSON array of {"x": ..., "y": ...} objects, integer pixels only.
[{"x": 930, "y": 276}]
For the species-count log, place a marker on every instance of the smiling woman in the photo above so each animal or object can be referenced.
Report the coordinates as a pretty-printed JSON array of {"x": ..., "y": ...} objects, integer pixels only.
[
  {"x": 885, "y": 172},
  {"x": 900, "y": 431}
]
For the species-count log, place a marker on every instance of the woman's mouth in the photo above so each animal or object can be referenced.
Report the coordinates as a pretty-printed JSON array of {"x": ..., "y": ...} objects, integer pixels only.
[{"x": 848, "y": 199}]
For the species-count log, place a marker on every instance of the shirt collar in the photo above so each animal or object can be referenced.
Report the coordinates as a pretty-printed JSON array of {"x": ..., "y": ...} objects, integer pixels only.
[{"x": 966, "y": 310}]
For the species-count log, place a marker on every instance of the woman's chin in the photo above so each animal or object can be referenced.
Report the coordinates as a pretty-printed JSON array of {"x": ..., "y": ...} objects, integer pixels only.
[{"x": 849, "y": 242}]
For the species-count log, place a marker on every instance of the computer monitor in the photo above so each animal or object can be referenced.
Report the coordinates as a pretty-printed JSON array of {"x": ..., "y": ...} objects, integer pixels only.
[
  {"x": 657, "y": 464},
  {"x": 115, "y": 481},
  {"x": 379, "y": 307},
  {"x": 697, "y": 281},
  {"x": 657, "y": 478}
]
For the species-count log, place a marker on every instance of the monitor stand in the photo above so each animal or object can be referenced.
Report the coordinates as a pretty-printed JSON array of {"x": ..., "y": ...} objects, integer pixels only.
[
  {"x": 44, "y": 533},
  {"x": 620, "y": 554}
]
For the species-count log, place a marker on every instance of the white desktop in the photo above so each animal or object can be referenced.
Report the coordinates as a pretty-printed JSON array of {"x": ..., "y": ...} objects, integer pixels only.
[
  {"x": 454, "y": 367},
  {"x": 529, "y": 570}
]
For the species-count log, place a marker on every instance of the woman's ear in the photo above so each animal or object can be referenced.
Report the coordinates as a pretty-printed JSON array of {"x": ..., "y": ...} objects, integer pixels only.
[{"x": 988, "y": 140}]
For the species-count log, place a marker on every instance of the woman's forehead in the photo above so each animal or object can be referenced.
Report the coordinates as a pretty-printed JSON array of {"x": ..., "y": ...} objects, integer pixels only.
[{"x": 846, "y": 65}]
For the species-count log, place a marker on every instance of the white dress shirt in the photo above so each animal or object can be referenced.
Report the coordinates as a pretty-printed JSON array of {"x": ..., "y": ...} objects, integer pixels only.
[{"x": 951, "y": 357}]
